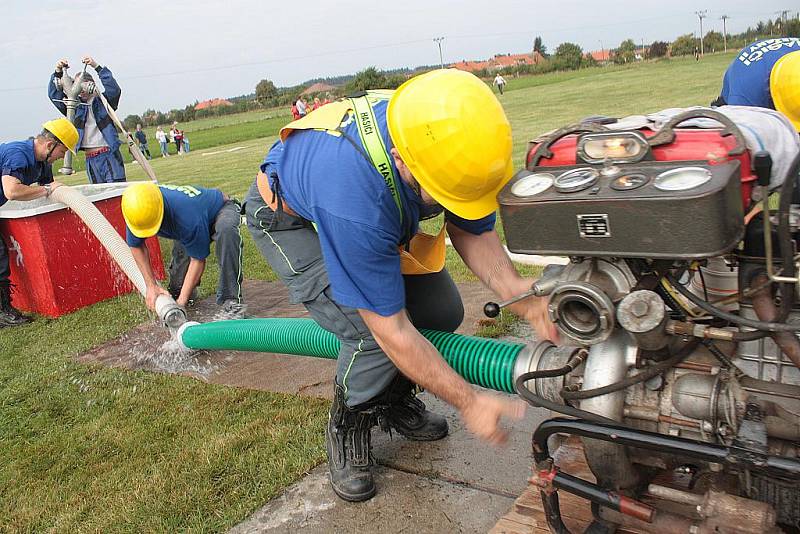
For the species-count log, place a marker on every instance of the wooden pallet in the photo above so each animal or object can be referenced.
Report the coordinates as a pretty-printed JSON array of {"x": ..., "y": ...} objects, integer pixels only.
[{"x": 526, "y": 516}]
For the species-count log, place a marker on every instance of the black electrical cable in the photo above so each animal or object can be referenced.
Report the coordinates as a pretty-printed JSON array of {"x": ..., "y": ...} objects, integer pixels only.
[
  {"x": 540, "y": 402},
  {"x": 705, "y": 306},
  {"x": 749, "y": 336},
  {"x": 629, "y": 381}
]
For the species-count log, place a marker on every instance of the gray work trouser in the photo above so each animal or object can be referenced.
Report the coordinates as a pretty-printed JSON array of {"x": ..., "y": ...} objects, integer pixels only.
[
  {"x": 229, "y": 248},
  {"x": 291, "y": 246}
]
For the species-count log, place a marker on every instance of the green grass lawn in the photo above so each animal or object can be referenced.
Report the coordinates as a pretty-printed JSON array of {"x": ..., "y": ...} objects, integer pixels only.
[{"x": 85, "y": 448}]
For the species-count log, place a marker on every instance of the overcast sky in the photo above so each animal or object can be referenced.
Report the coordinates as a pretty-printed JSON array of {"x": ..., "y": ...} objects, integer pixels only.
[{"x": 168, "y": 53}]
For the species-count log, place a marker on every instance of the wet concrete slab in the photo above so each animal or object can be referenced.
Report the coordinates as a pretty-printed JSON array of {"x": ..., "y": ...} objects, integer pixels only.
[{"x": 457, "y": 484}]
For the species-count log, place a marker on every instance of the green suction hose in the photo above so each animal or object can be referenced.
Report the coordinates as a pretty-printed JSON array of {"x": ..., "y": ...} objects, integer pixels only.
[{"x": 483, "y": 362}]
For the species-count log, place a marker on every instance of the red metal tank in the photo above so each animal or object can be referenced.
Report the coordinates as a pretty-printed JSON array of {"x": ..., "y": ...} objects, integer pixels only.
[{"x": 57, "y": 264}]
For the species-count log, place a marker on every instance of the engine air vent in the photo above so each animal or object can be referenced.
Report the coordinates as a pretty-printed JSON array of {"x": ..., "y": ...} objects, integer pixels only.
[{"x": 594, "y": 225}]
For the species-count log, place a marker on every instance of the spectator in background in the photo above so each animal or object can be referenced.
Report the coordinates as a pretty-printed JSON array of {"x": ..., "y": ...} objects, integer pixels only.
[
  {"x": 317, "y": 103},
  {"x": 295, "y": 113},
  {"x": 302, "y": 107},
  {"x": 161, "y": 137},
  {"x": 177, "y": 137},
  {"x": 185, "y": 143},
  {"x": 500, "y": 82},
  {"x": 141, "y": 137}
]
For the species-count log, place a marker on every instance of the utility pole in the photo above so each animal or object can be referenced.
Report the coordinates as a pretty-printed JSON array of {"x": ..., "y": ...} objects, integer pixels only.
[
  {"x": 602, "y": 51},
  {"x": 438, "y": 41},
  {"x": 642, "y": 38},
  {"x": 724, "y": 19},
  {"x": 701, "y": 15}
]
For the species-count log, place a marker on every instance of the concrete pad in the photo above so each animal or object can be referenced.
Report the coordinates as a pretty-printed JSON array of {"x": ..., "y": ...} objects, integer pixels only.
[{"x": 404, "y": 503}]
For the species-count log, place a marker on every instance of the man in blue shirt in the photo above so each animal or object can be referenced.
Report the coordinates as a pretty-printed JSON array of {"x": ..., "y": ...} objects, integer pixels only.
[
  {"x": 765, "y": 74},
  {"x": 141, "y": 137},
  {"x": 193, "y": 217},
  {"x": 333, "y": 210},
  {"x": 98, "y": 135},
  {"x": 25, "y": 167}
]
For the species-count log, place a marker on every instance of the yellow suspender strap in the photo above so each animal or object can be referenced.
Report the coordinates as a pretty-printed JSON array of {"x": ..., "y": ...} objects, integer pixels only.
[{"x": 373, "y": 144}]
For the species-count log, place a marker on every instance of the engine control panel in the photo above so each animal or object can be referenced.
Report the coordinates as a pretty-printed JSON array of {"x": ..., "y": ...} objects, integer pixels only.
[{"x": 686, "y": 209}]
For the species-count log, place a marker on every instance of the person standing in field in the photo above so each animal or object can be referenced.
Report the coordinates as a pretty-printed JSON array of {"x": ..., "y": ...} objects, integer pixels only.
[
  {"x": 141, "y": 137},
  {"x": 500, "y": 82},
  {"x": 177, "y": 136},
  {"x": 161, "y": 137}
]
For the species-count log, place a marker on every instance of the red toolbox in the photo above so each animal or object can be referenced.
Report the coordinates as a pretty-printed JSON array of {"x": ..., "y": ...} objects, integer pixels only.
[{"x": 57, "y": 264}]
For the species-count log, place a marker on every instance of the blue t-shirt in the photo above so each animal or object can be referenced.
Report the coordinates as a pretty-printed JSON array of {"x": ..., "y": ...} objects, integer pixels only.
[
  {"x": 17, "y": 159},
  {"x": 189, "y": 214},
  {"x": 746, "y": 82},
  {"x": 327, "y": 179}
]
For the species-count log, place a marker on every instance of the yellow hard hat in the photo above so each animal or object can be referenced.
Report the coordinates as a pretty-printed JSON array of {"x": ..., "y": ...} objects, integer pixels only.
[
  {"x": 453, "y": 135},
  {"x": 143, "y": 208},
  {"x": 784, "y": 86},
  {"x": 64, "y": 131}
]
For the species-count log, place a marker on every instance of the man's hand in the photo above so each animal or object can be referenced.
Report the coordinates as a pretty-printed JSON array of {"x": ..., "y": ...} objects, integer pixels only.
[
  {"x": 61, "y": 65},
  {"x": 536, "y": 314},
  {"x": 89, "y": 60},
  {"x": 152, "y": 295},
  {"x": 54, "y": 186},
  {"x": 483, "y": 414}
]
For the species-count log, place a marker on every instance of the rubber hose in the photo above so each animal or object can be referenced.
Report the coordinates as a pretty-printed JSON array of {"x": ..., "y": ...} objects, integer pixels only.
[
  {"x": 713, "y": 310},
  {"x": 647, "y": 374},
  {"x": 484, "y": 362},
  {"x": 102, "y": 229}
]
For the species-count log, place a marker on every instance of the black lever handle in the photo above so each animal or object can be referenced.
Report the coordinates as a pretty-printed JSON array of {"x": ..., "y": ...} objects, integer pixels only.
[{"x": 762, "y": 164}]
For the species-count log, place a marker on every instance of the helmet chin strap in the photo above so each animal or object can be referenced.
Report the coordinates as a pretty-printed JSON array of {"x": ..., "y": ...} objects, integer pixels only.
[{"x": 50, "y": 152}]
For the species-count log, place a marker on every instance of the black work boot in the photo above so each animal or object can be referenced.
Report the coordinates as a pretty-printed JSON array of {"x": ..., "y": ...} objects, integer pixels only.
[
  {"x": 10, "y": 316},
  {"x": 409, "y": 416},
  {"x": 348, "y": 440}
]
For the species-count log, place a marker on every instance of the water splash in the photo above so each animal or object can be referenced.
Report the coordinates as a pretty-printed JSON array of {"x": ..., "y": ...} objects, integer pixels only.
[{"x": 172, "y": 357}]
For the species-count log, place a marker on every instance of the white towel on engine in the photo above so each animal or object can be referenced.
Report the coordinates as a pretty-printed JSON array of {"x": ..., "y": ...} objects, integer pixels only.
[{"x": 762, "y": 128}]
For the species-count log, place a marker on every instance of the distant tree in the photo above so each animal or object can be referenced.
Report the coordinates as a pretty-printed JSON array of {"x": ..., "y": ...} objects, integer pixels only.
[
  {"x": 626, "y": 53},
  {"x": 539, "y": 48},
  {"x": 684, "y": 45},
  {"x": 792, "y": 28},
  {"x": 371, "y": 78},
  {"x": 713, "y": 42},
  {"x": 266, "y": 92},
  {"x": 131, "y": 121},
  {"x": 568, "y": 56},
  {"x": 589, "y": 60},
  {"x": 658, "y": 49}
]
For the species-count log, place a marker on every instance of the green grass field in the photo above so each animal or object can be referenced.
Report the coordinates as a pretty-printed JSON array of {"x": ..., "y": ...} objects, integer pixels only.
[{"x": 94, "y": 449}]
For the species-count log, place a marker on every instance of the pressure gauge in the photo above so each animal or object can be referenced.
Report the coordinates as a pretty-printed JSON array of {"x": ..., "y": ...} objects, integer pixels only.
[
  {"x": 532, "y": 185},
  {"x": 627, "y": 182},
  {"x": 682, "y": 179},
  {"x": 576, "y": 180}
]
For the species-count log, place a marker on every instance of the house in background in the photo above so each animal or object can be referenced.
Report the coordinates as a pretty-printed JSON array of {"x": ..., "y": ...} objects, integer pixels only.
[
  {"x": 213, "y": 103},
  {"x": 498, "y": 62}
]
